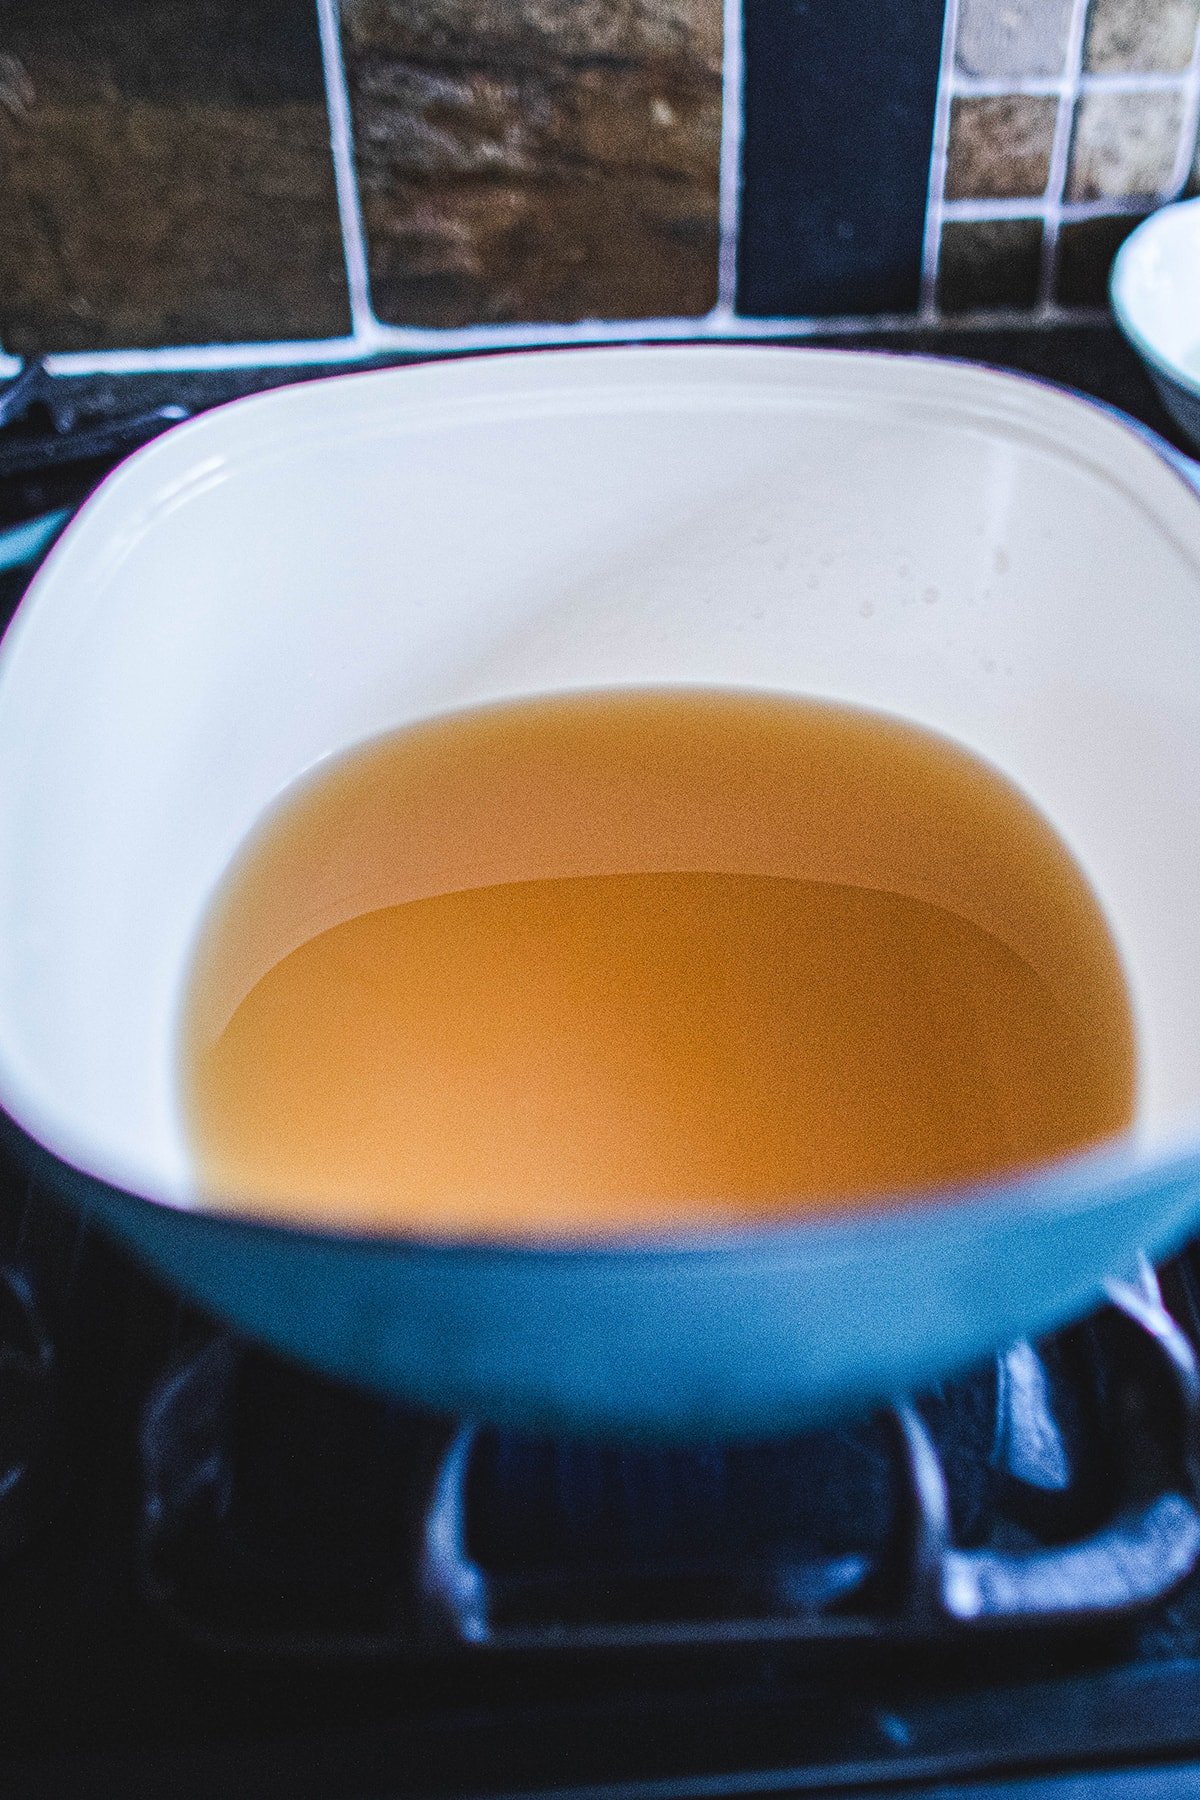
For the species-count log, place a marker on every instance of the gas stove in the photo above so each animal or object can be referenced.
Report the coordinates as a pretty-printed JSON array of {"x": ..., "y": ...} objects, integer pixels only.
[{"x": 222, "y": 1575}]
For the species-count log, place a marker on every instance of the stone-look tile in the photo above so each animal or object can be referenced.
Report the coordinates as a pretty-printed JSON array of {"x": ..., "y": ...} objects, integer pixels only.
[
  {"x": 548, "y": 160},
  {"x": 989, "y": 263},
  {"x": 1000, "y": 148},
  {"x": 1086, "y": 248},
  {"x": 166, "y": 175},
  {"x": 1012, "y": 37},
  {"x": 1123, "y": 145},
  {"x": 1145, "y": 36}
]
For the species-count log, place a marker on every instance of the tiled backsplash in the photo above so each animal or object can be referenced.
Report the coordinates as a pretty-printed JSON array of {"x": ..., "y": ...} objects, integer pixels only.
[
  {"x": 286, "y": 181},
  {"x": 1068, "y": 122}
]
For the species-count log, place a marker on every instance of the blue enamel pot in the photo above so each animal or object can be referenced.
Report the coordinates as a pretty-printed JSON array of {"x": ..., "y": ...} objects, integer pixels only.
[{"x": 295, "y": 573}]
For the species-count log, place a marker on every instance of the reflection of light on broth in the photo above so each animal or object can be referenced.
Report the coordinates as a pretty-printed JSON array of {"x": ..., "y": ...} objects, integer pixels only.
[{"x": 601, "y": 961}]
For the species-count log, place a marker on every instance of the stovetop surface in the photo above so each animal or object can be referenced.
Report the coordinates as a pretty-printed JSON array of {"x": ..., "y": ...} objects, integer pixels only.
[{"x": 219, "y": 1576}]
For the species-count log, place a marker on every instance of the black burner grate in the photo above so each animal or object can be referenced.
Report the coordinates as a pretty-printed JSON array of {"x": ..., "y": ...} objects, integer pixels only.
[{"x": 285, "y": 1515}]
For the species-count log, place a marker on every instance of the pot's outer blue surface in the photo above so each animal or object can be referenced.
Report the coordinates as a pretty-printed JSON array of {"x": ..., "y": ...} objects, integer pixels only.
[
  {"x": 716, "y": 1338},
  {"x": 1183, "y": 404}
]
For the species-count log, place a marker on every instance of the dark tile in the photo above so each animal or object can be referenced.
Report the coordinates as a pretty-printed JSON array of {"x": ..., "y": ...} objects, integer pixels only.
[
  {"x": 1123, "y": 145},
  {"x": 1086, "y": 248},
  {"x": 1140, "y": 35},
  {"x": 1012, "y": 37},
  {"x": 553, "y": 160},
  {"x": 839, "y": 103},
  {"x": 986, "y": 263},
  {"x": 167, "y": 175},
  {"x": 1000, "y": 148}
]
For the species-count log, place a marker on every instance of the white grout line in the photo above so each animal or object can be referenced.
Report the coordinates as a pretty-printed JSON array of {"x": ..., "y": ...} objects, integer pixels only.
[
  {"x": 1190, "y": 124},
  {"x": 1003, "y": 87},
  {"x": 1037, "y": 208},
  {"x": 732, "y": 112},
  {"x": 186, "y": 358},
  {"x": 398, "y": 340},
  {"x": 936, "y": 191},
  {"x": 341, "y": 141},
  {"x": 990, "y": 87},
  {"x": 1060, "y": 149},
  {"x": 981, "y": 209}
]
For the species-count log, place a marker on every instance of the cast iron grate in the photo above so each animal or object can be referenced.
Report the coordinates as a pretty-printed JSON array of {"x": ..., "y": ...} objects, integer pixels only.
[
  {"x": 53, "y": 450},
  {"x": 286, "y": 1515}
]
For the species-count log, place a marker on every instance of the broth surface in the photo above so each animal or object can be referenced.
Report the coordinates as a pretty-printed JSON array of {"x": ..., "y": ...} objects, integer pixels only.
[{"x": 606, "y": 962}]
